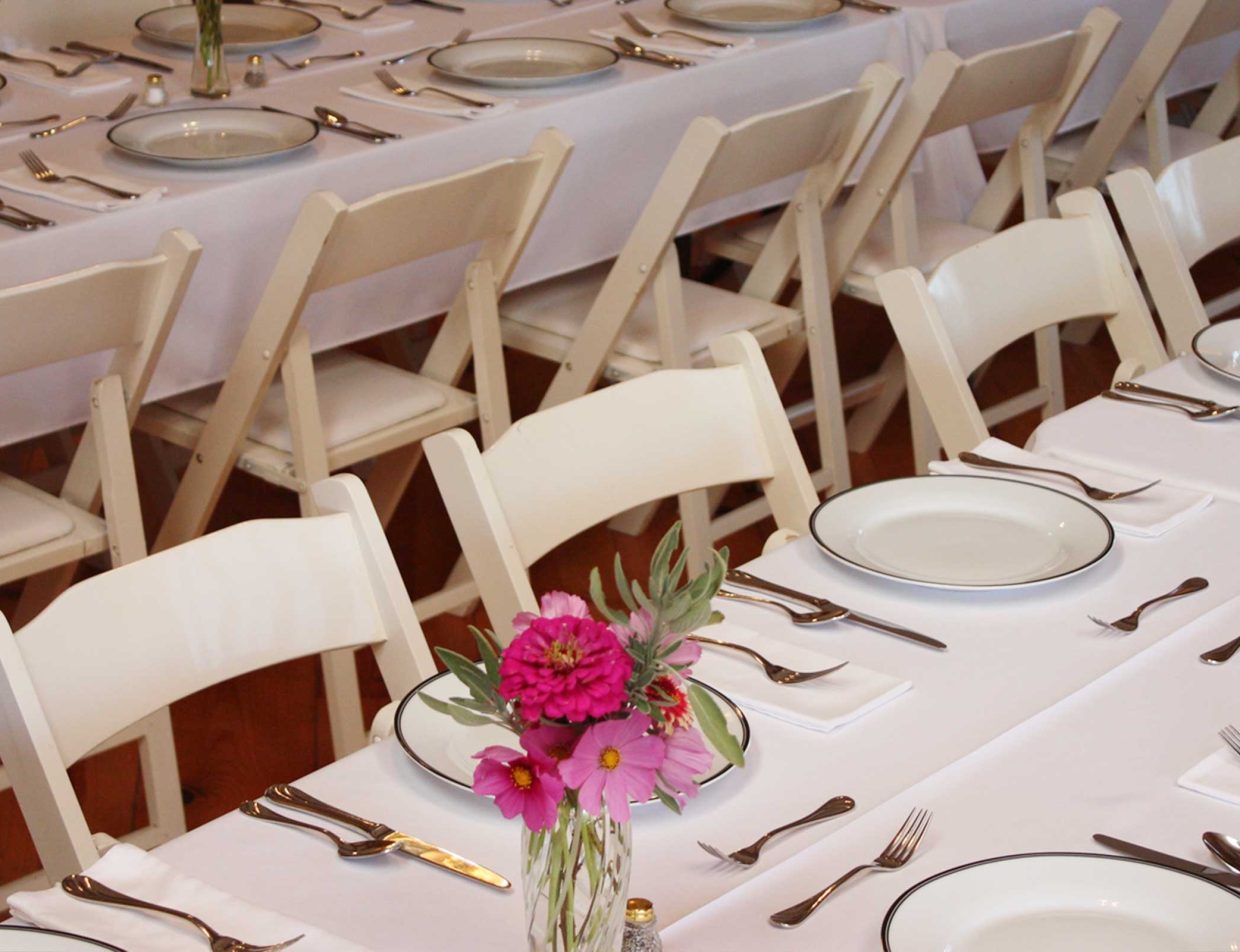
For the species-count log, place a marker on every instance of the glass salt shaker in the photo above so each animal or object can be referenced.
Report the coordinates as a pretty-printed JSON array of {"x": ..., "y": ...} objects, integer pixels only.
[
  {"x": 156, "y": 93},
  {"x": 255, "y": 72},
  {"x": 640, "y": 928}
]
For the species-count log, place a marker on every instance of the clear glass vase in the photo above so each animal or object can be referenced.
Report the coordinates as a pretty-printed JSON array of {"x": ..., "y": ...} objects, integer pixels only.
[
  {"x": 575, "y": 878},
  {"x": 209, "y": 76}
]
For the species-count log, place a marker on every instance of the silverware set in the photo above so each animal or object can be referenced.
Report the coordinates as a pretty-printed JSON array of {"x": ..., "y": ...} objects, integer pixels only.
[
  {"x": 117, "y": 56},
  {"x": 1195, "y": 408},
  {"x": 1222, "y": 846},
  {"x": 1093, "y": 492},
  {"x": 748, "y": 855},
  {"x": 456, "y": 40},
  {"x": 345, "y": 128},
  {"x": 85, "y": 887},
  {"x": 349, "y": 849},
  {"x": 120, "y": 109},
  {"x": 341, "y": 122},
  {"x": 636, "y": 51},
  {"x": 1129, "y": 622}
]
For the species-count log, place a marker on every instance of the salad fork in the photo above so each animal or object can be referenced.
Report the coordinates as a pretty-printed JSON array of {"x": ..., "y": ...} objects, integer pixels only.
[
  {"x": 392, "y": 83},
  {"x": 748, "y": 855},
  {"x": 1231, "y": 736},
  {"x": 897, "y": 853},
  {"x": 302, "y": 64},
  {"x": 343, "y": 11},
  {"x": 122, "y": 107},
  {"x": 1130, "y": 621},
  {"x": 43, "y": 174},
  {"x": 776, "y": 672},
  {"x": 56, "y": 70},
  {"x": 84, "y": 887},
  {"x": 1093, "y": 492},
  {"x": 642, "y": 30}
]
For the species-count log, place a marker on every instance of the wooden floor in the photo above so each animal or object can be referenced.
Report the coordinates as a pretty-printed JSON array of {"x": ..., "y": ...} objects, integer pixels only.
[{"x": 235, "y": 739}]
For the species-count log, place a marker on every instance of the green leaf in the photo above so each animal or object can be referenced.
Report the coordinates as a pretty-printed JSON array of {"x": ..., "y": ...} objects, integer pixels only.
[
  {"x": 487, "y": 652},
  {"x": 710, "y": 719},
  {"x": 667, "y": 799},
  {"x": 468, "y": 673},
  {"x": 456, "y": 712},
  {"x": 599, "y": 597},
  {"x": 622, "y": 583}
]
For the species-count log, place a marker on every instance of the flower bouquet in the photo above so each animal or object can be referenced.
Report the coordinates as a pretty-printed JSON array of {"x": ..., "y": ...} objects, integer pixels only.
[{"x": 604, "y": 716}]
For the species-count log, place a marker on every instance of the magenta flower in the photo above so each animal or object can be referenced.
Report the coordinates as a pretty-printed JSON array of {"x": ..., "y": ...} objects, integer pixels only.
[
  {"x": 571, "y": 668},
  {"x": 530, "y": 785},
  {"x": 552, "y": 605},
  {"x": 615, "y": 760},
  {"x": 687, "y": 756},
  {"x": 641, "y": 627},
  {"x": 550, "y": 744}
]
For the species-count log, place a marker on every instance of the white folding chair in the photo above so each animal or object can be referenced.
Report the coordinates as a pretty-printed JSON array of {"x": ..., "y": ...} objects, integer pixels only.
[
  {"x": 1192, "y": 210},
  {"x": 670, "y": 432},
  {"x": 638, "y": 313},
  {"x": 126, "y": 307},
  {"x": 1135, "y": 130},
  {"x": 336, "y": 409},
  {"x": 249, "y": 596},
  {"x": 1044, "y": 75},
  {"x": 1032, "y": 275}
]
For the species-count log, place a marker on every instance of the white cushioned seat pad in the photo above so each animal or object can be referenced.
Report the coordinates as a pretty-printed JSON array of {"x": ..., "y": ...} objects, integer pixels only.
[
  {"x": 27, "y": 521},
  {"x": 560, "y": 306},
  {"x": 1134, "y": 151},
  {"x": 357, "y": 396}
]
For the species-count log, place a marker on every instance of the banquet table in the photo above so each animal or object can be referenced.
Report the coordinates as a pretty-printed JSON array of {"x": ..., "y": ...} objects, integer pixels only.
[{"x": 625, "y": 125}]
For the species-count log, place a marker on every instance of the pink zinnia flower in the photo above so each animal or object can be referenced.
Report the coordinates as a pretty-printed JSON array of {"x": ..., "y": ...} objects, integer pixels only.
[
  {"x": 550, "y": 743},
  {"x": 571, "y": 668},
  {"x": 552, "y": 605},
  {"x": 641, "y": 627},
  {"x": 687, "y": 756},
  {"x": 615, "y": 760},
  {"x": 530, "y": 785}
]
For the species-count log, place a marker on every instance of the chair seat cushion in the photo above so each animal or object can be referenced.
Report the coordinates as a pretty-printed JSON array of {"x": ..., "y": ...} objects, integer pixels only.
[
  {"x": 560, "y": 306},
  {"x": 27, "y": 521},
  {"x": 1134, "y": 151},
  {"x": 357, "y": 396}
]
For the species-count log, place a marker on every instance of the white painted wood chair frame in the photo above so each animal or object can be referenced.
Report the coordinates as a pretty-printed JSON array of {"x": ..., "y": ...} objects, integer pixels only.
[
  {"x": 330, "y": 244},
  {"x": 669, "y": 432},
  {"x": 241, "y": 599},
  {"x": 128, "y": 308},
  {"x": 1032, "y": 275},
  {"x": 1192, "y": 210}
]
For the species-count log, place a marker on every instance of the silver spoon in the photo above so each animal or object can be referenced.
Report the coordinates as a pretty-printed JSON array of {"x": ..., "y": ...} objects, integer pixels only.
[
  {"x": 1226, "y": 848},
  {"x": 1093, "y": 492},
  {"x": 1222, "y": 652},
  {"x": 29, "y": 122},
  {"x": 351, "y": 849},
  {"x": 340, "y": 121},
  {"x": 1217, "y": 413},
  {"x": 302, "y": 64}
]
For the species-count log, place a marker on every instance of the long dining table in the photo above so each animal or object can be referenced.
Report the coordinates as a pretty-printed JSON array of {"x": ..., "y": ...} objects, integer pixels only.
[{"x": 625, "y": 125}]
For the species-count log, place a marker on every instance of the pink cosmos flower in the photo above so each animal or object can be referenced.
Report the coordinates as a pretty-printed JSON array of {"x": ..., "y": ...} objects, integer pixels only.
[
  {"x": 615, "y": 760},
  {"x": 571, "y": 668},
  {"x": 687, "y": 756},
  {"x": 552, "y": 605},
  {"x": 530, "y": 785},
  {"x": 550, "y": 744},
  {"x": 641, "y": 627}
]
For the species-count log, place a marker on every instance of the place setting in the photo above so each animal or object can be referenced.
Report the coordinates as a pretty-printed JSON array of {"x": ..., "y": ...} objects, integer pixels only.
[
  {"x": 100, "y": 192},
  {"x": 66, "y": 71}
]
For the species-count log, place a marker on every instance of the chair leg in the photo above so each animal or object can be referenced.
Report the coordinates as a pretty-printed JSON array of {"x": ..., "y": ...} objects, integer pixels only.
[
  {"x": 40, "y": 590},
  {"x": 867, "y": 420},
  {"x": 389, "y": 478},
  {"x": 161, "y": 780}
]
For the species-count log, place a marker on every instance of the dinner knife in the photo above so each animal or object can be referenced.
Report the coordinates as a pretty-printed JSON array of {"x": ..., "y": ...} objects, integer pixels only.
[
  {"x": 634, "y": 51},
  {"x": 121, "y": 57},
  {"x": 356, "y": 133},
  {"x": 287, "y": 795},
  {"x": 1165, "y": 859},
  {"x": 746, "y": 580}
]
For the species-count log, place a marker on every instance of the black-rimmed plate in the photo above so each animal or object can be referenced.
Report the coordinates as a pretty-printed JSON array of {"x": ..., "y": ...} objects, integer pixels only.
[
  {"x": 1218, "y": 347},
  {"x": 962, "y": 532},
  {"x": 31, "y": 939},
  {"x": 523, "y": 61},
  {"x": 446, "y": 749},
  {"x": 1056, "y": 902},
  {"x": 247, "y": 26},
  {"x": 212, "y": 136},
  {"x": 754, "y": 16}
]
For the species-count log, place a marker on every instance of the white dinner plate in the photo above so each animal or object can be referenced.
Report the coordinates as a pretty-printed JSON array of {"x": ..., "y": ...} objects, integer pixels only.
[
  {"x": 212, "y": 136},
  {"x": 1218, "y": 347},
  {"x": 1040, "y": 902},
  {"x": 439, "y": 744},
  {"x": 754, "y": 15},
  {"x": 247, "y": 26},
  {"x": 523, "y": 61},
  {"x": 962, "y": 532},
  {"x": 22, "y": 939}
]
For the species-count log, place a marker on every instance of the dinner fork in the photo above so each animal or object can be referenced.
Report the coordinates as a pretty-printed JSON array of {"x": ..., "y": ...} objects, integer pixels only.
[
  {"x": 1231, "y": 737},
  {"x": 813, "y": 617},
  {"x": 302, "y": 64},
  {"x": 122, "y": 107},
  {"x": 43, "y": 174},
  {"x": 1093, "y": 492},
  {"x": 392, "y": 83},
  {"x": 1215, "y": 413},
  {"x": 81, "y": 886},
  {"x": 749, "y": 854},
  {"x": 776, "y": 672},
  {"x": 461, "y": 37},
  {"x": 1129, "y": 622},
  {"x": 344, "y": 12},
  {"x": 56, "y": 70},
  {"x": 644, "y": 30},
  {"x": 898, "y": 852}
]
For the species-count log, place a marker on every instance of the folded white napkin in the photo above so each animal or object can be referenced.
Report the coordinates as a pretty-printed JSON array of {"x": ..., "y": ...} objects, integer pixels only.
[
  {"x": 676, "y": 45},
  {"x": 385, "y": 21},
  {"x": 1216, "y": 776},
  {"x": 434, "y": 104},
  {"x": 129, "y": 870},
  {"x": 820, "y": 705},
  {"x": 96, "y": 79},
  {"x": 80, "y": 194},
  {"x": 1147, "y": 514}
]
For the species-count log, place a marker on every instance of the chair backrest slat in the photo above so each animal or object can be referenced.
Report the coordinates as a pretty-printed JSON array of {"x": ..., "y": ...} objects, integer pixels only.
[{"x": 1216, "y": 18}]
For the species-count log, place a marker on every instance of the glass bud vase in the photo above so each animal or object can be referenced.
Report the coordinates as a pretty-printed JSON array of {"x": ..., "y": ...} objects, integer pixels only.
[
  {"x": 209, "y": 76},
  {"x": 575, "y": 877}
]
